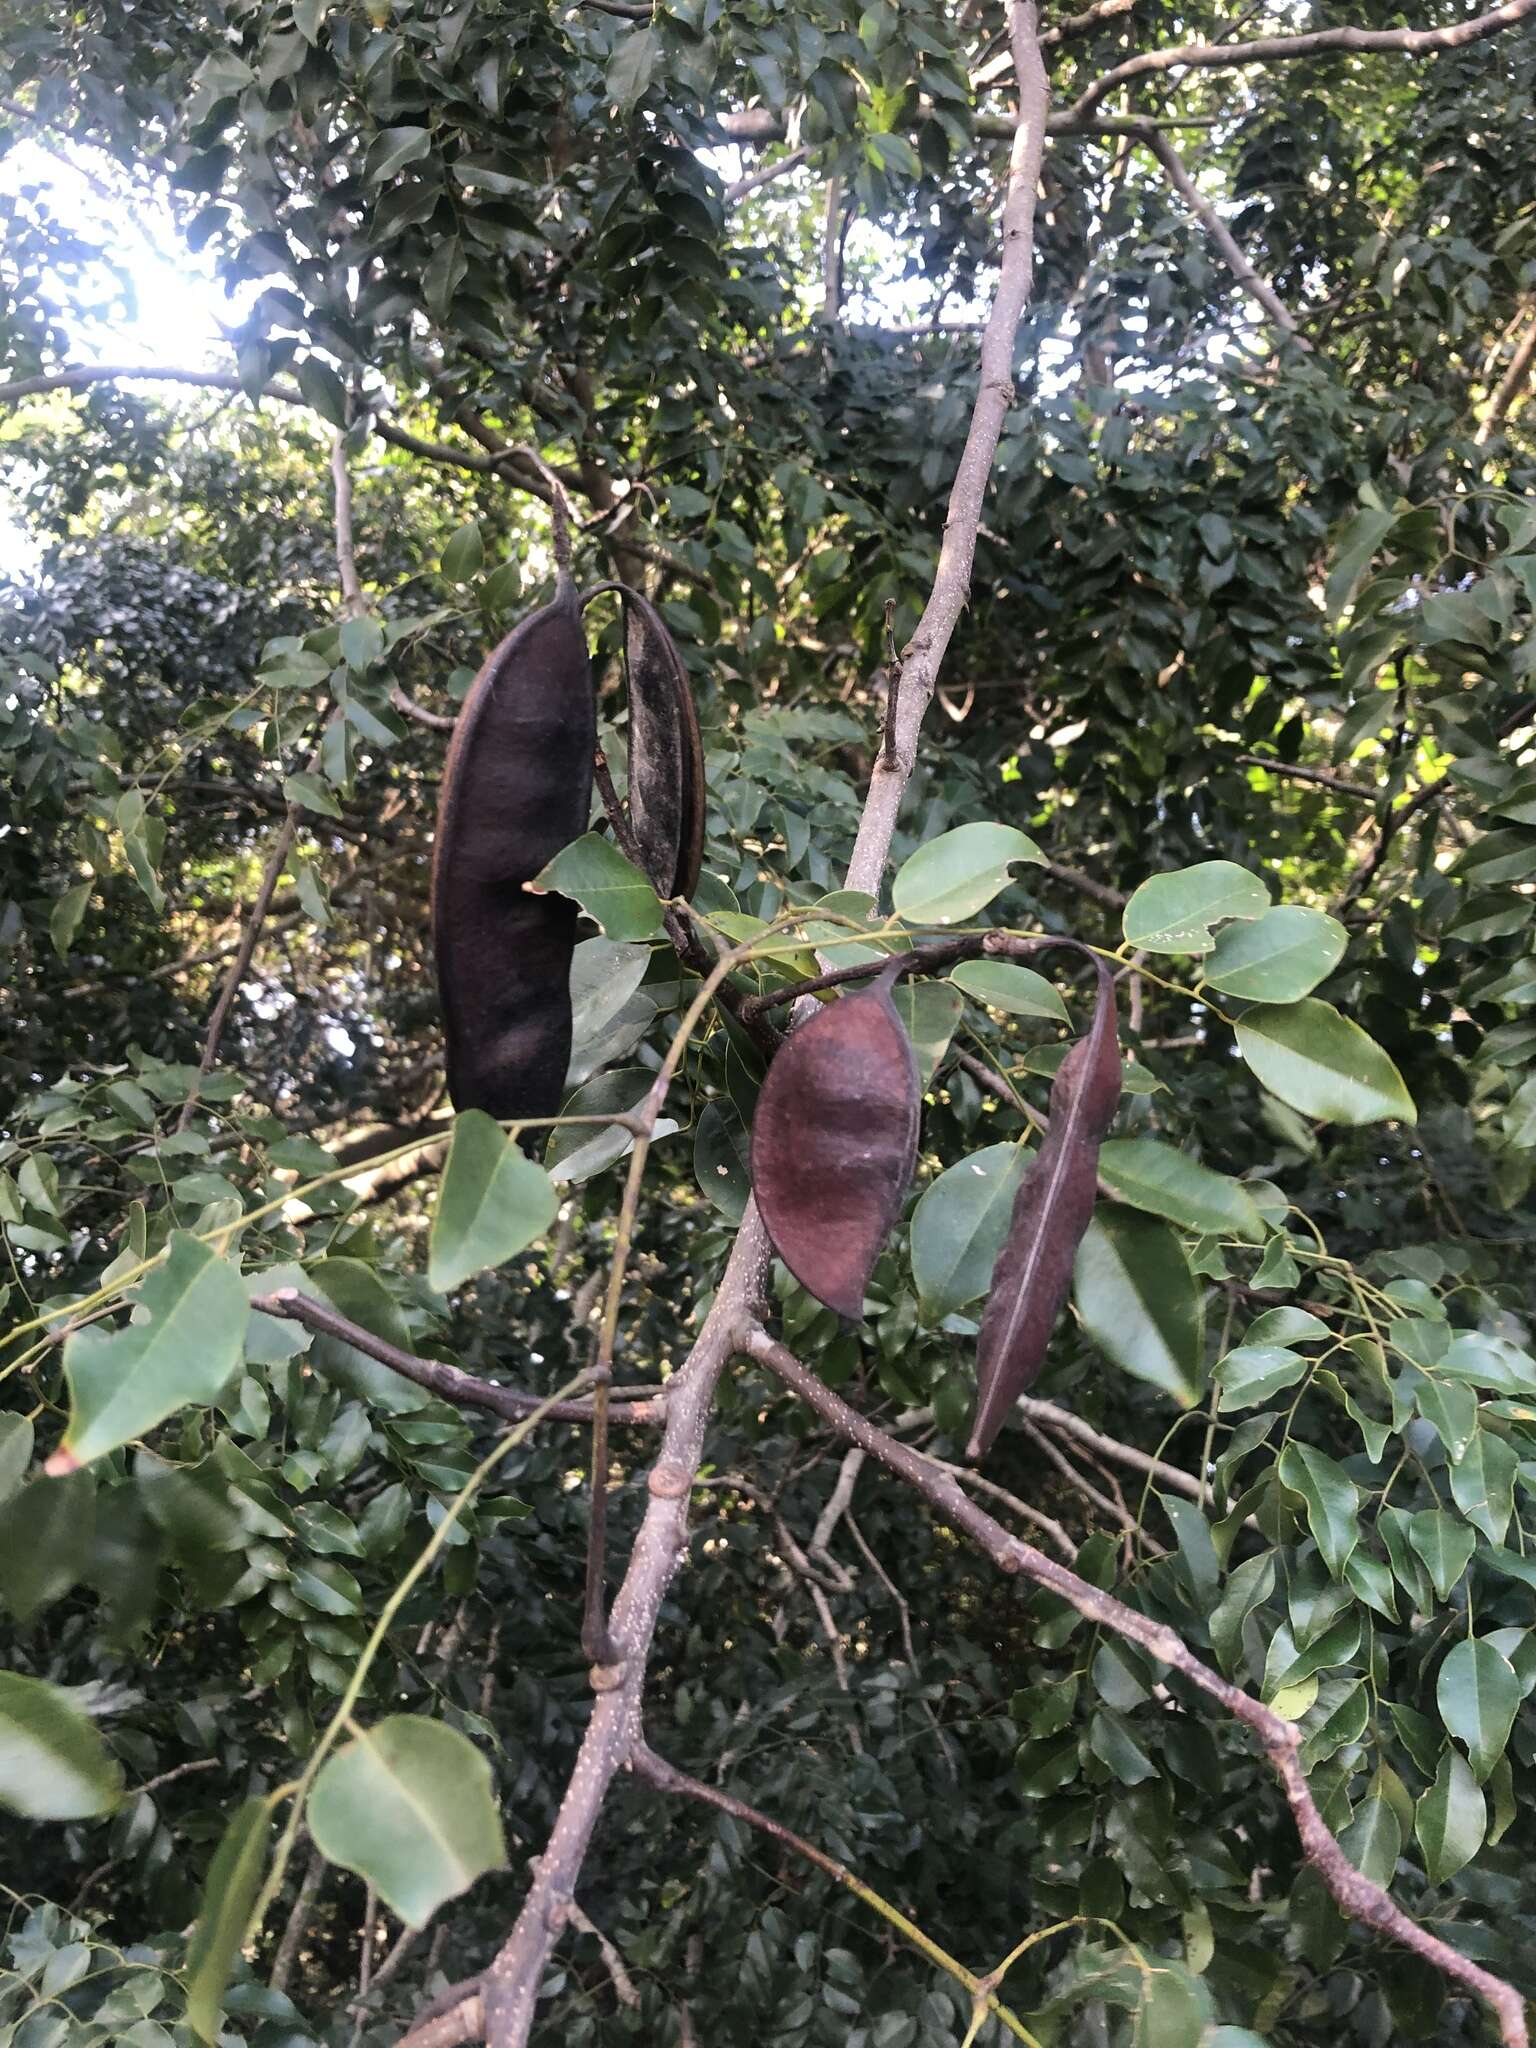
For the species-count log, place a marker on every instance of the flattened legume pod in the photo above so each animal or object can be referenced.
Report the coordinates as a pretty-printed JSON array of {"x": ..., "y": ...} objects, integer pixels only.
[
  {"x": 517, "y": 786},
  {"x": 666, "y": 754},
  {"x": 1051, "y": 1211},
  {"x": 834, "y": 1142}
]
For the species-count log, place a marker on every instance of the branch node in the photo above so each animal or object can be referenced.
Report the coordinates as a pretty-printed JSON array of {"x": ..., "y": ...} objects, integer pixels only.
[{"x": 668, "y": 1482}]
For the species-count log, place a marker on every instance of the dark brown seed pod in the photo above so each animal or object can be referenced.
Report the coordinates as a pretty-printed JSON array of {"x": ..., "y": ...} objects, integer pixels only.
[
  {"x": 1051, "y": 1211},
  {"x": 834, "y": 1142},
  {"x": 517, "y": 786},
  {"x": 666, "y": 754}
]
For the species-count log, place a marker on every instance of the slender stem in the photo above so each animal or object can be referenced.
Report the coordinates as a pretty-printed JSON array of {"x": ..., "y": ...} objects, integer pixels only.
[{"x": 665, "y": 1777}]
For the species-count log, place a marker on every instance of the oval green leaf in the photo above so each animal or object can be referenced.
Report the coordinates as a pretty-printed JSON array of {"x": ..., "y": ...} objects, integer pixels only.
[
  {"x": 958, "y": 1228},
  {"x": 410, "y": 1806},
  {"x": 1003, "y": 986},
  {"x": 184, "y": 1349},
  {"x": 494, "y": 1201},
  {"x": 1139, "y": 1301},
  {"x": 1451, "y": 1819},
  {"x": 929, "y": 1010},
  {"x": 53, "y": 1764},
  {"x": 1478, "y": 1695},
  {"x": 1322, "y": 1064},
  {"x": 1279, "y": 957},
  {"x": 1167, "y": 1182},
  {"x": 610, "y": 889},
  {"x": 1174, "y": 913},
  {"x": 955, "y": 875}
]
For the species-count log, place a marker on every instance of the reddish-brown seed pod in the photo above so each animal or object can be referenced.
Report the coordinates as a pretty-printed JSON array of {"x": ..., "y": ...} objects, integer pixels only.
[
  {"x": 666, "y": 754},
  {"x": 517, "y": 786},
  {"x": 1051, "y": 1211},
  {"x": 834, "y": 1142}
]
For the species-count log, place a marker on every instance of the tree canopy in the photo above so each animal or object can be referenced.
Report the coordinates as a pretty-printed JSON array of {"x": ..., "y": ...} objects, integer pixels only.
[{"x": 1087, "y": 467}]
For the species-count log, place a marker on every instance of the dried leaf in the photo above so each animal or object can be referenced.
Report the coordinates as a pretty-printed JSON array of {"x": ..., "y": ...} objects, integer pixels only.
[
  {"x": 834, "y": 1142},
  {"x": 1050, "y": 1213}
]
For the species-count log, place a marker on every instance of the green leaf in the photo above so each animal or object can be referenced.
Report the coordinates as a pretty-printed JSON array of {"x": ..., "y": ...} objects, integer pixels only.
[
  {"x": 1252, "y": 1374},
  {"x": 1139, "y": 1301},
  {"x": 1173, "y": 2011},
  {"x": 1169, "y": 1183},
  {"x": 64, "y": 918},
  {"x": 353, "y": 1286},
  {"x": 1332, "y": 1500},
  {"x": 1373, "y": 1841},
  {"x": 576, "y": 1152},
  {"x": 323, "y": 390},
  {"x": 1322, "y": 1064},
  {"x": 494, "y": 1201},
  {"x": 722, "y": 1159},
  {"x": 1483, "y": 1484},
  {"x": 1444, "y": 1544},
  {"x": 1003, "y": 986},
  {"x": 958, "y": 1228},
  {"x": 361, "y": 641},
  {"x": 1174, "y": 913},
  {"x": 16, "y": 1436},
  {"x": 1451, "y": 1819},
  {"x": 1357, "y": 544},
  {"x": 183, "y": 1347},
  {"x": 1478, "y": 1694},
  {"x": 310, "y": 793},
  {"x": 1450, "y": 1409},
  {"x": 53, "y": 1763},
  {"x": 929, "y": 1011},
  {"x": 464, "y": 555},
  {"x": 613, "y": 893},
  {"x": 1278, "y": 958},
  {"x": 234, "y": 1878},
  {"x": 632, "y": 66},
  {"x": 957, "y": 874},
  {"x": 410, "y": 1806},
  {"x": 392, "y": 149}
]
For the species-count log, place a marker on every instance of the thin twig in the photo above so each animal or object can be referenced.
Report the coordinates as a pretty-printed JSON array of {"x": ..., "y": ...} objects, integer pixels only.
[
  {"x": 665, "y": 1777},
  {"x": 1299, "y": 772},
  {"x": 1355, "y": 1894},
  {"x": 1510, "y": 385},
  {"x": 297, "y": 1924},
  {"x": 781, "y": 168},
  {"x": 451, "y": 1382}
]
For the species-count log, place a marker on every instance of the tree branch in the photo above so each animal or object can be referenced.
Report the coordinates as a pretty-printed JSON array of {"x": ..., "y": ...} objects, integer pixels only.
[
  {"x": 1297, "y": 772},
  {"x": 779, "y": 169},
  {"x": 1262, "y": 293},
  {"x": 1510, "y": 385},
  {"x": 1407, "y": 42},
  {"x": 1355, "y": 1894},
  {"x": 451, "y": 1382}
]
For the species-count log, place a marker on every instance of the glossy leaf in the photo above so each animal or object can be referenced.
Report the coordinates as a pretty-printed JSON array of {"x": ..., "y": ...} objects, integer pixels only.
[
  {"x": 1050, "y": 1213},
  {"x": 613, "y": 892},
  {"x": 959, "y": 1226},
  {"x": 1279, "y": 957},
  {"x": 1147, "y": 1175},
  {"x": 834, "y": 1142},
  {"x": 1176, "y": 913},
  {"x": 183, "y": 1347},
  {"x": 929, "y": 1011},
  {"x": 1332, "y": 1500},
  {"x": 1450, "y": 1819},
  {"x": 494, "y": 1201},
  {"x": 1139, "y": 1301},
  {"x": 1003, "y": 985},
  {"x": 410, "y": 1806},
  {"x": 53, "y": 1763},
  {"x": 1323, "y": 1064},
  {"x": 952, "y": 877},
  {"x": 1478, "y": 1695}
]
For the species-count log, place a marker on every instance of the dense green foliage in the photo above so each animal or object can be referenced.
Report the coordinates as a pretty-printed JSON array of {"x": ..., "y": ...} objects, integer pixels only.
[{"x": 484, "y": 226}]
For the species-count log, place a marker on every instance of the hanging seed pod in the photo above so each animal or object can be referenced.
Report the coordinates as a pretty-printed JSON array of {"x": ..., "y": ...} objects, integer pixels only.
[
  {"x": 834, "y": 1142},
  {"x": 517, "y": 787},
  {"x": 666, "y": 754},
  {"x": 1050, "y": 1213}
]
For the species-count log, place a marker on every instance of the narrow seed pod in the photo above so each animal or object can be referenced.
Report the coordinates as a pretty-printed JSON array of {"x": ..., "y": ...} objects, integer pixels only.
[
  {"x": 834, "y": 1142},
  {"x": 1051, "y": 1211},
  {"x": 517, "y": 786},
  {"x": 666, "y": 754}
]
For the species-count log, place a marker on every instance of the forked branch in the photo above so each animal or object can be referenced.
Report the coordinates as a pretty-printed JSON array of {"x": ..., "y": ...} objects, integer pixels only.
[{"x": 1356, "y": 1895}]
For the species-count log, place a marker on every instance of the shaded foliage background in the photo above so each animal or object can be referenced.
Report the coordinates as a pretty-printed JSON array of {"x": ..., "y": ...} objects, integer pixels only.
[{"x": 480, "y": 226}]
